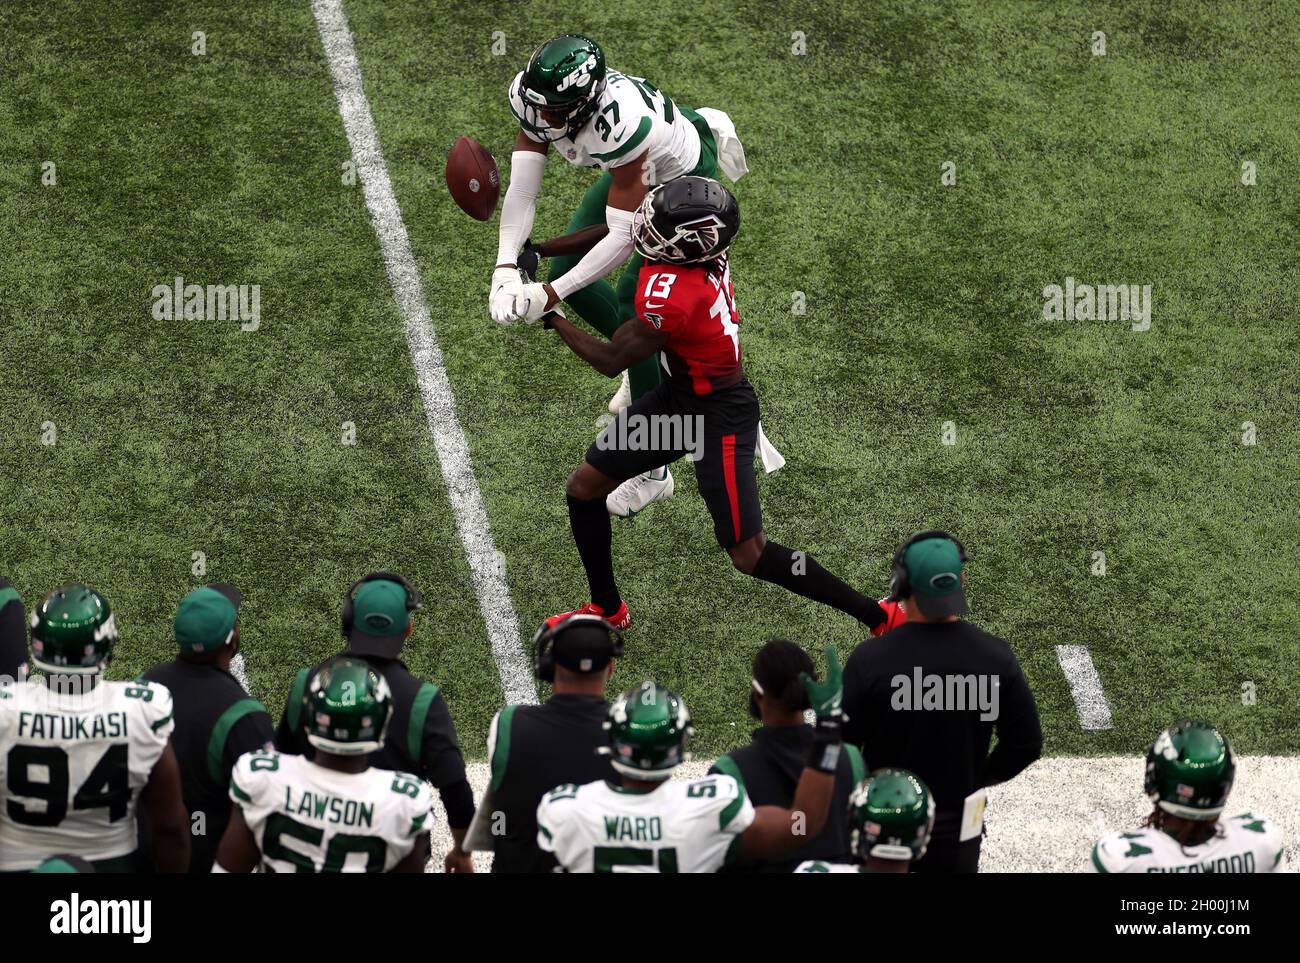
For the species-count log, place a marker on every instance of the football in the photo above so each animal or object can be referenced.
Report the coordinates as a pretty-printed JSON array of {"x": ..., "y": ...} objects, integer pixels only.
[{"x": 473, "y": 179}]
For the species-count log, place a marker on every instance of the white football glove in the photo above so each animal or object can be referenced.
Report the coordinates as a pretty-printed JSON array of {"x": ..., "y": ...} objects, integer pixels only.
[
  {"x": 506, "y": 285},
  {"x": 530, "y": 303}
]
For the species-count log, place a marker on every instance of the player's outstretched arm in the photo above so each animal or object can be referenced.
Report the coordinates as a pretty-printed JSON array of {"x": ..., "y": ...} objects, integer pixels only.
[
  {"x": 775, "y": 831},
  {"x": 577, "y": 243},
  {"x": 633, "y": 341},
  {"x": 238, "y": 850},
  {"x": 165, "y": 810},
  {"x": 527, "y": 164}
]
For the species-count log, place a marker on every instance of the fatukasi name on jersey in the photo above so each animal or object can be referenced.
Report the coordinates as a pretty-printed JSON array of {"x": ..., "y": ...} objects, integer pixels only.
[
  {"x": 309, "y": 819},
  {"x": 679, "y": 827},
  {"x": 1242, "y": 844},
  {"x": 72, "y": 767},
  {"x": 634, "y": 118}
]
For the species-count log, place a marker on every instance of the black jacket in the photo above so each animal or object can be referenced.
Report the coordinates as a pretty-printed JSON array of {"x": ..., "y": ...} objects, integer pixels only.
[
  {"x": 216, "y": 723},
  {"x": 535, "y": 749},
  {"x": 421, "y": 737},
  {"x": 769, "y": 769},
  {"x": 898, "y": 723}
]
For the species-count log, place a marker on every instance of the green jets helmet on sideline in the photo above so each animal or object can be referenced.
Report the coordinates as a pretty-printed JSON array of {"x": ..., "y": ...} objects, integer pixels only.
[
  {"x": 564, "y": 78},
  {"x": 73, "y": 631},
  {"x": 891, "y": 816},
  {"x": 347, "y": 708},
  {"x": 649, "y": 728},
  {"x": 1190, "y": 771}
]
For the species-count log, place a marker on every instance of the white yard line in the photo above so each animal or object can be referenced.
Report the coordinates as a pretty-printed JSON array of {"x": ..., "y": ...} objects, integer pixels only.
[
  {"x": 1046, "y": 819},
  {"x": 1085, "y": 685},
  {"x": 238, "y": 671},
  {"x": 485, "y": 563}
]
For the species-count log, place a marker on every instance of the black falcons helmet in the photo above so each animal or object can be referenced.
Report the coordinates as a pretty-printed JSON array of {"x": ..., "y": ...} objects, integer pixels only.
[{"x": 685, "y": 221}]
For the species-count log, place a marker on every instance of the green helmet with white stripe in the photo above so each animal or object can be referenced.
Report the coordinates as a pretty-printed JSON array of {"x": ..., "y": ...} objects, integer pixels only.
[
  {"x": 891, "y": 816},
  {"x": 649, "y": 729},
  {"x": 73, "y": 632},
  {"x": 1190, "y": 771},
  {"x": 347, "y": 707},
  {"x": 560, "y": 88}
]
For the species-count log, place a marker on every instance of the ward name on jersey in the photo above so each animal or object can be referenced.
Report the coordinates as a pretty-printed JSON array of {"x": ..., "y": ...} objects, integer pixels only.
[
  {"x": 307, "y": 818},
  {"x": 1244, "y": 844},
  {"x": 680, "y": 827},
  {"x": 695, "y": 305},
  {"x": 634, "y": 118},
  {"x": 72, "y": 767}
]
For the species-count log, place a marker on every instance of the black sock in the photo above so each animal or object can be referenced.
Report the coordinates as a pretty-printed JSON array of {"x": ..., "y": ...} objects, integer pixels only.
[
  {"x": 589, "y": 521},
  {"x": 804, "y": 576}
]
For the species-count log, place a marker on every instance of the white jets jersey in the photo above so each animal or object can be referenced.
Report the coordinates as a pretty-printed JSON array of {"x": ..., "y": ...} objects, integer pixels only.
[
  {"x": 679, "y": 827},
  {"x": 634, "y": 118},
  {"x": 72, "y": 767},
  {"x": 1244, "y": 844},
  {"x": 309, "y": 819},
  {"x": 817, "y": 866}
]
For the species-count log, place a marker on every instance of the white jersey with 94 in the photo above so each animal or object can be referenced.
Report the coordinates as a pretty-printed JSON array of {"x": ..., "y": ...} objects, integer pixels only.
[
  {"x": 1243, "y": 844},
  {"x": 679, "y": 827},
  {"x": 634, "y": 118},
  {"x": 72, "y": 767},
  {"x": 309, "y": 819}
]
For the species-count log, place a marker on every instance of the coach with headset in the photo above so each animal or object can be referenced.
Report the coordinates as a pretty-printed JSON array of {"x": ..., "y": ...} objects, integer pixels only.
[
  {"x": 421, "y": 738},
  {"x": 928, "y": 696},
  {"x": 534, "y": 748}
]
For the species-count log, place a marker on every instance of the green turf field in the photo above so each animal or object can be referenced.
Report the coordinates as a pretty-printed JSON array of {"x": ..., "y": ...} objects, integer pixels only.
[{"x": 923, "y": 306}]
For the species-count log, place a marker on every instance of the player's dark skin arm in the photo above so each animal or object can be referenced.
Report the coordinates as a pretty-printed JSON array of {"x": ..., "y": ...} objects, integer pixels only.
[
  {"x": 573, "y": 245},
  {"x": 238, "y": 850},
  {"x": 415, "y": 860},
  {"x": 776, "y": 832},
  {"x": 168, "y": 821},
  {"x": 632, "y": 342}
]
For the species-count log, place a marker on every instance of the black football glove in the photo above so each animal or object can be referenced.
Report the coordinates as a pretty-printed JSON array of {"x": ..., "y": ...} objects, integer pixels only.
[{"x": 529, "y": 260}]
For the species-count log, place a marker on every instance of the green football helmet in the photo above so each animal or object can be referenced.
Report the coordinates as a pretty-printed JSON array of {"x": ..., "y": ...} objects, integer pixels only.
[
  {"x": 347, "y": 708},
  {"x": 560, "y": 88},
  {"x": 73, "y": 632},
  {"x": 1190, "y": 770},
  {"x": 649, "y": 729},
  {"x": 891, "y": 816}
]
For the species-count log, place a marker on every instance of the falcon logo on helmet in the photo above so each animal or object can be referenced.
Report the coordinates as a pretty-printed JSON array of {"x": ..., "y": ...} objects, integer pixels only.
[{"x": 686, "y": 221}]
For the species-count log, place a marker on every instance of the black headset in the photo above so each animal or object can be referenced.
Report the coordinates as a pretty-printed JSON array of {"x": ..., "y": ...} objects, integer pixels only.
[
  {"x": 413, "y": 599},
  {"x": 544, "y": 642},
  {"x": 900, "y": 583}
]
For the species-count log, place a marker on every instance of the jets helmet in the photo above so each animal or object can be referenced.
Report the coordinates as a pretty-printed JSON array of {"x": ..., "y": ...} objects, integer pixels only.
[
  {"x": 649, "y": 729},
  {"x": 347, "y": 707},
  {"x": 73, "y": 631},
  {"x": 685, "y": 221},
  {"x": 891, "y": 816},
  {"x": 1190, "y": 770},
  {"x": 560, "y": 88}
]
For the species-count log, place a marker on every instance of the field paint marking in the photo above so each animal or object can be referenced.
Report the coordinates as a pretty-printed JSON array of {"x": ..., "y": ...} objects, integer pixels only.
[
  {"x": 1085, "y": 685},
  {"x": 1047, "y": 818},
  {"x": 435, "y": 389},
  {"x": 238, "y": 671}
]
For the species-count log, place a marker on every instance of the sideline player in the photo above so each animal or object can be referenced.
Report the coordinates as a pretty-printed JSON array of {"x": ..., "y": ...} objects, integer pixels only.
[
  {"x": 80, "y": 754},
  {"x": 648, "y": 823},
  {"x": 639, "y": 137},
  {"x": 686, "y": 309},
  {"x": 891, "y": 817},
  {"x": 1190, "y": 771},
  {"x": 332, "y": 813}
]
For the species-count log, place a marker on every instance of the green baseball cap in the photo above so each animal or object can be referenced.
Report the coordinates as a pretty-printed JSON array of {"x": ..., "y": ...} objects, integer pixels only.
[
  {"x": 380, "y": 618},
  {"x": 934, "y": 570},
  {"x": 205, "y": 619}
]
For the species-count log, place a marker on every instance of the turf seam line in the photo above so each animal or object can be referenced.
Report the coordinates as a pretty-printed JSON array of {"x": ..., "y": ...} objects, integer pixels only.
[
  {"x": 1085, "y": 686},
  {"x": 471, "y": 517}
]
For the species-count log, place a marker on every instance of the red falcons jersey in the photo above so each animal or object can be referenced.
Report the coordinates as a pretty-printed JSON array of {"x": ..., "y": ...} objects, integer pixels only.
[{"x": 695, "y": 305}]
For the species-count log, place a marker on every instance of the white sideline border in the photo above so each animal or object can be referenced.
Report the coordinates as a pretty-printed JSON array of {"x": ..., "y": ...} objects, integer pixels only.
[
  {"x": 1047, "y": 818},
  {"x": 485, "y": 562}
]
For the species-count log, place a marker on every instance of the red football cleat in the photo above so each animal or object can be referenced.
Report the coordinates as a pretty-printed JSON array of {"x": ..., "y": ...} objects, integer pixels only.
[
  {"x": 622, "y": 619},
  {"x": 895, "y": 616}
]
